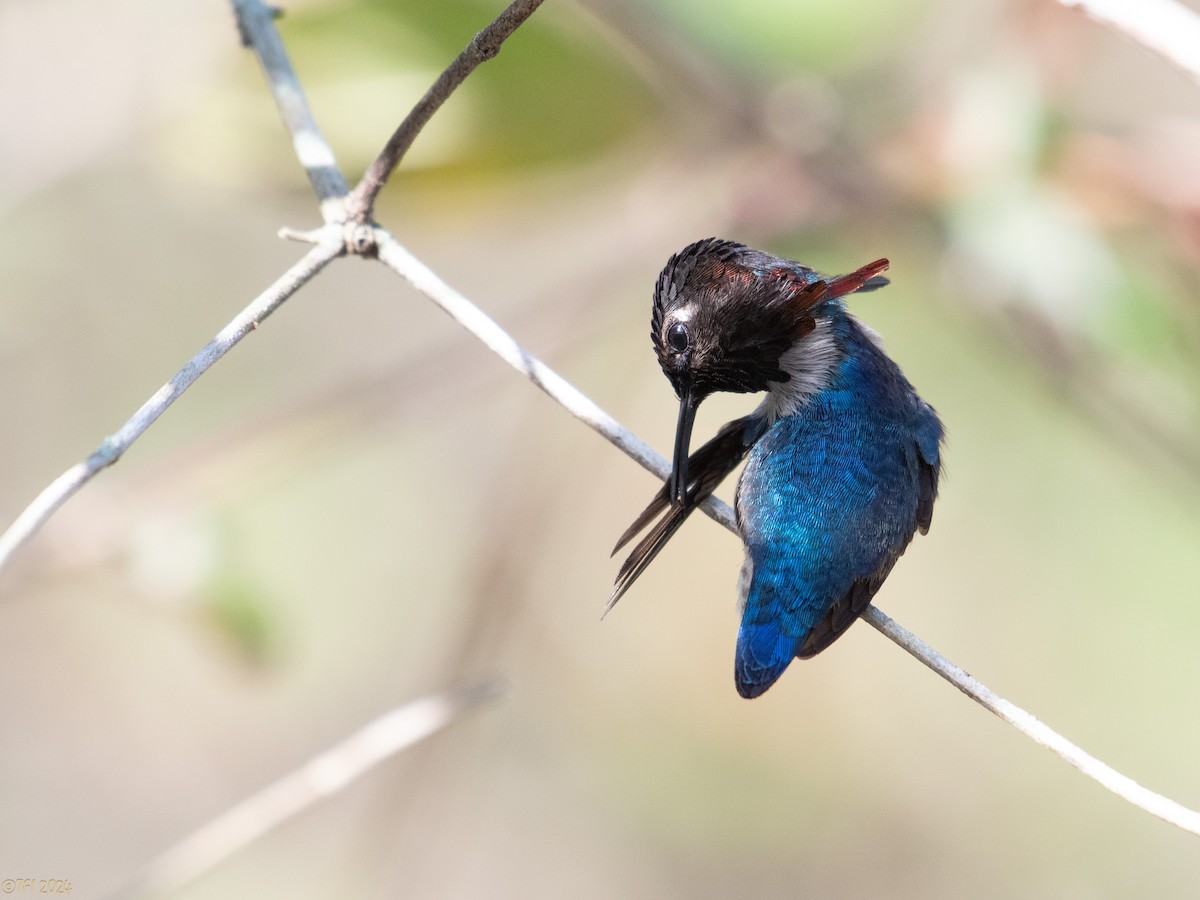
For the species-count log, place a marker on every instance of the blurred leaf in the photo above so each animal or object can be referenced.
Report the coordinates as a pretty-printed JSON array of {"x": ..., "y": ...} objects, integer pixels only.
[
  {"x": 241, "y": 615},
  {"x": 832, "y": 36},
  {"x": 1140, "y": 319}
]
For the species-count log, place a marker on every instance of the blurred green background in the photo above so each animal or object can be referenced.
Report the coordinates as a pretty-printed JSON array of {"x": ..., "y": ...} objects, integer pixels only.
[{"x": 361, "y": 505}]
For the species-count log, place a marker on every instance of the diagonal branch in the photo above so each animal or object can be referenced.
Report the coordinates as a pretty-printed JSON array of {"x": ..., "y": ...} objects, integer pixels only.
[
  {"x": 324, "y": 775},
  {"x": 483, "y": 47},
  {"x": 1032, "y": 727},
  {"x": 395, "y": 257},
  {"x": 112, "y": 447},
  {"x": 1165, "y": 27},
  {"x": 256, "y": 25}
]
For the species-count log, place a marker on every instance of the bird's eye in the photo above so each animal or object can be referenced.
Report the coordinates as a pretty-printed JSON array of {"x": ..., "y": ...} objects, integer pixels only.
[{"x": 677, "y": 337}]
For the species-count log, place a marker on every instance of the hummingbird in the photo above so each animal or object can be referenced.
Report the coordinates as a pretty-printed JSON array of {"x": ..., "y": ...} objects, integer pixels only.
[{"x": 842, "y": 455}]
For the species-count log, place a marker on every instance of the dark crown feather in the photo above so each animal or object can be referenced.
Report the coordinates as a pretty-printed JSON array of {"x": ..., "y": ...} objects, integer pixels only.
[{"x": 750, "y": 307}]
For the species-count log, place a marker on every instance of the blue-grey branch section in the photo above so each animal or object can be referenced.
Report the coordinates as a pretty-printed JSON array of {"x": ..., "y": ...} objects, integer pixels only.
[
  {"x": 255, "y": 22},
  {"x": 113, "y": 446}
]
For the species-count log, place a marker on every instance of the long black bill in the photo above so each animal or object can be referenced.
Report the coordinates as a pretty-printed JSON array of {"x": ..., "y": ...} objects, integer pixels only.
[{"x": 688, "y": 403}]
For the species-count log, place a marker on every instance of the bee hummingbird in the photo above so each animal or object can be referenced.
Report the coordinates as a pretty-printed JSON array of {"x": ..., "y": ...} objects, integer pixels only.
[{"x": 843, "y": 455}]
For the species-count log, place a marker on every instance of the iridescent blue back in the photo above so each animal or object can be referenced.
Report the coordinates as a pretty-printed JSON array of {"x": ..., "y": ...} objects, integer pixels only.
[{"x": 829, "y": 499}]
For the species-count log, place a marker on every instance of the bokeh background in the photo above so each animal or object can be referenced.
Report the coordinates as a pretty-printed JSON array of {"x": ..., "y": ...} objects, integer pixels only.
[{"x": 361, "y": 505}]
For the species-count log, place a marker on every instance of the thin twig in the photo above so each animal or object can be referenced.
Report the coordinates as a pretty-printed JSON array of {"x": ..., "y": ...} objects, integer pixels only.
[
  {"x": 257, "y": 27},
  {"x": 324, "y": 775},
  {"x": 1032, "y": 727},
  {"x": 483, "y": 47},
  {"x": 1165, "y": 27},
  {"x": 112, "y": 447},
  {"x": 393, "y": 255}
]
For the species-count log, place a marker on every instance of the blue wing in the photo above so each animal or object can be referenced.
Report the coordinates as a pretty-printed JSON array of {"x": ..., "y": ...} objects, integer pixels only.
[{"x": 828, "y": 502}]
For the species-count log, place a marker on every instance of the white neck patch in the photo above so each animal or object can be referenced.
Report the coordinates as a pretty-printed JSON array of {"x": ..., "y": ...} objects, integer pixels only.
[{"x": 809, "y": 362}]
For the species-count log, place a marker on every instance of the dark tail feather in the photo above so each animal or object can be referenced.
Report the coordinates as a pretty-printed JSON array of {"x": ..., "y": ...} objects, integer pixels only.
[
  {"x": 643, "y": 554},
  {"x": 864, "y": 277},
  {"x": 657, "y": 505},
  {"x": 846, "y": 610},
  {"x": 708, "y": 467}
]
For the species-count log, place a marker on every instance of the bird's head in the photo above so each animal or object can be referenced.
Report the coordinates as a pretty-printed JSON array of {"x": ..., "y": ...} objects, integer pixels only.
[{"x": 723, "y": 316}]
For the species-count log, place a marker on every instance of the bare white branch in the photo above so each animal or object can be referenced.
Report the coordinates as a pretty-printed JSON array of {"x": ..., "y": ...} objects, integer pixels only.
[
  {"x": 112, "y": 447},
  {"x": 1032, "y": 727},
  {"x": 1165, "y": 27},
  {"x": 393, "y": 255},
  {"x": 256, "y": 24},
  {"x": 322, "y": 776}
]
